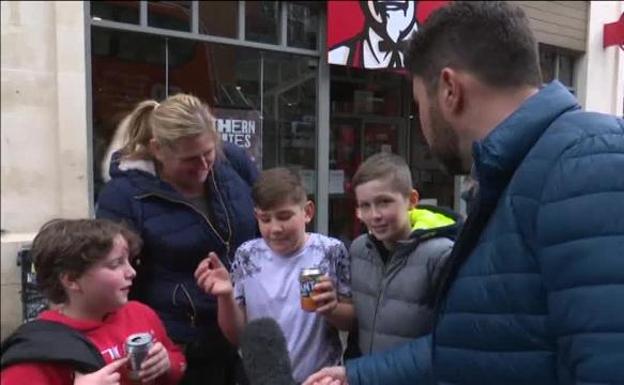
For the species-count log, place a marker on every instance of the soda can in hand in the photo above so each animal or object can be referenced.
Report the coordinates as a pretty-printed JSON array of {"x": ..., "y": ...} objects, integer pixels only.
[{"x": 137, "y": 347}]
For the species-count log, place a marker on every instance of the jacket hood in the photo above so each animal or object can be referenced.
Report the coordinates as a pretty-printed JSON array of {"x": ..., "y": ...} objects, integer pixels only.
[
  {"x": 118, "y": 165},
  {"x": 427, "y": 222},
  {"x": 431, "y": 221},
  {"x": 424, "y": 219}
]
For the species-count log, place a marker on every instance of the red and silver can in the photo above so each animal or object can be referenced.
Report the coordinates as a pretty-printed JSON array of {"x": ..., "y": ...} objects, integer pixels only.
[{"x": 137, "y": 347}]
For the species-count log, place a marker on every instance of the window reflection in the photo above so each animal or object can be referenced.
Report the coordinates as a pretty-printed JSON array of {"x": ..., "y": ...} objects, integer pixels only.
[
  {"x": 262, "y": 21},
  {"x": 121, "y": 11},
  {"x": 566, "y": 70},
  {"x": 126, "y": 68},
  {"x": 303, "y": 22},
  {"x": 557, "y": 63},
  {"x": 367, "y": 117},
  {"x": 219, "y": 18},
  {"x": 169, "y": 15},
  {"x": 275, "y": 120},
  {"x": 547, "y": 60}
]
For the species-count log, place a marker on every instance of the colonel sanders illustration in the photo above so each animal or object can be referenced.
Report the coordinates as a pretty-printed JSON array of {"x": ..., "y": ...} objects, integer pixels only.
[{"x": 387, "y": 24}]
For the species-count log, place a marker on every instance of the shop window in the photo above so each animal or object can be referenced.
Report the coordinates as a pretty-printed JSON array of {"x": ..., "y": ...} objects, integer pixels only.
[
  {"x": 120, "y": 11},
  {"x": 219, "y": 18},
  {"x": 303, "y": 22},
  {"x": 367, "y": 117},
  {"x": 262, "y": 21},
  {"x": 126, "y": 69},
  {"x": 557, "y": 63},
  {"x": 273, "y": 119},
  {"x": 435, "y": 186},
  {"x": 174, "y": 15}
]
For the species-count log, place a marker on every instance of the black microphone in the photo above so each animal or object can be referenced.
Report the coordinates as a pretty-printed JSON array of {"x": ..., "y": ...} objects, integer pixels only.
[{"x": 265, "y": 355}]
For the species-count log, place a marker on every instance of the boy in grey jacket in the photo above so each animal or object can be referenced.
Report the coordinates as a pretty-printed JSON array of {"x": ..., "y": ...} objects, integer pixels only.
[{"x": 395, "y": 266}]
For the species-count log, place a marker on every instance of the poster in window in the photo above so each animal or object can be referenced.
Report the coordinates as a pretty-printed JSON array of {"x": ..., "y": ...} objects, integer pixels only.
[
  {"x": 243, "y": 128},
  {"x": 373, "y": 34}
]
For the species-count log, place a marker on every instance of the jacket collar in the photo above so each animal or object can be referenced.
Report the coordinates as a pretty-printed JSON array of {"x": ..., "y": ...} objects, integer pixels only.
[
  {"x": 146, "y": 166},
  {"x": 434, "y": 222},
  {"x": 498, "y": 155},
  {"x": 144, "y": 176}
]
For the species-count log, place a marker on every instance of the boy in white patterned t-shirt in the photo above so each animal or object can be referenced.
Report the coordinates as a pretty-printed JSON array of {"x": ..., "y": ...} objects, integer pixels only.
[{"x": 265, "y": 276}]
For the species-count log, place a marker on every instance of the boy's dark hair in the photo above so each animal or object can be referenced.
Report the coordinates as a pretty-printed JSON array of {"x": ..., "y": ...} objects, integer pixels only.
[
  {"x": 71, "y": 246},
  {"x": 491, "y": 40},
  {"x": 276, "y": 186},
  {"x": 388, "y": 167}
]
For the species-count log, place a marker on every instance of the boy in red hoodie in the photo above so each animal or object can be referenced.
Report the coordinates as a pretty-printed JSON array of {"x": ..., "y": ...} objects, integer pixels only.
[{"x": 83, "y": 268}]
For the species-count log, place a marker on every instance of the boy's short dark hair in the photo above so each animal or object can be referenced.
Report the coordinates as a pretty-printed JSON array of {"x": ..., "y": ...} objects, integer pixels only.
[
  {"x": 71, "y": 246},
  {"x": 388, "y": 167},
  {"x": 491, "y": 40},
  {"x": 276, "y": 186}
]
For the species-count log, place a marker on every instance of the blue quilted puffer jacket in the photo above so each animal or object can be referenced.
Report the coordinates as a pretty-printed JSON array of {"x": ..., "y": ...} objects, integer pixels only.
[
  {"x": 177, "y": 236},
  {"x": 536, "y": 292}
]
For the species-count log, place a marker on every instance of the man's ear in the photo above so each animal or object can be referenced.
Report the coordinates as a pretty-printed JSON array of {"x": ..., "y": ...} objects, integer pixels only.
[
  {"x": 414, "y": 198},
  {"x": 450, "y": 92},
  {"x": 308, "y": 210}
]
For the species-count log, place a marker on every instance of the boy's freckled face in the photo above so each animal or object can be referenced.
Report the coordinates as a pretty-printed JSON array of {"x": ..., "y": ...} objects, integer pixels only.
[
  {"x": 284, "y": 227},
  {"x": 107, "y": 283},
  {"x": 383, "y": 211}
]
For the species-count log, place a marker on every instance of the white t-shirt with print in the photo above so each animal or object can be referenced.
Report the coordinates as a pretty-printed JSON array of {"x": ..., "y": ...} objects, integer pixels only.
[{"x": 267, "y": 284}]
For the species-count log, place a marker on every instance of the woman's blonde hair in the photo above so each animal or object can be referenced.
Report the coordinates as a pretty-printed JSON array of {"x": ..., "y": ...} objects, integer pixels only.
[{"x": 178, "y": 116}]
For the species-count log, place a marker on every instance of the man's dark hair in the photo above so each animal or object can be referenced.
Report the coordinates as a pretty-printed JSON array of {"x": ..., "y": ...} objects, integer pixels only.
[
  {"x": 278, "y": 186},
  {"x": 491, "y": 40},
  {"x": 71, "y": 246}
]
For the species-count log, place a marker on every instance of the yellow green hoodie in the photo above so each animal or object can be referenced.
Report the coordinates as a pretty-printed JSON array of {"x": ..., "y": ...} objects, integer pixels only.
[{"x": 424, "y": 218}]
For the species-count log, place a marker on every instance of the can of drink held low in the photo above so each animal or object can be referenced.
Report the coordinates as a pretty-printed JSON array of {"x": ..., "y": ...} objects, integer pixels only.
[
  {"x": 137, "y": 347},
  {"x": 307, "y": 279}
]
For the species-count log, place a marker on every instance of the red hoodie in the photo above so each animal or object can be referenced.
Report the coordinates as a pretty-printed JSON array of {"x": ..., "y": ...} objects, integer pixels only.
[{"x": 109, "y": 336}]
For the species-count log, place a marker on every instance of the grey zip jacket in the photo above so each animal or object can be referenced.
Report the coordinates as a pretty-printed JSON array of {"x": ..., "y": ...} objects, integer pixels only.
[{"x": 391, "y": 298}]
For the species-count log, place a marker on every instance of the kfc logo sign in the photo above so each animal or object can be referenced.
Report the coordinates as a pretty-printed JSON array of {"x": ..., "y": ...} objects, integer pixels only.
[{"x": 372, "y": 34}]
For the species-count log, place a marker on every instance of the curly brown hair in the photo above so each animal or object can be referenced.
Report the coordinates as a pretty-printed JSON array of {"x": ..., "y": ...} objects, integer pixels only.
[{"x": 71, "y": 246}]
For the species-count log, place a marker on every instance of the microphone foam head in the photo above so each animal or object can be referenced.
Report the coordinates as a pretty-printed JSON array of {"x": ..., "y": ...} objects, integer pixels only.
[{"x": 265, "y": 353}]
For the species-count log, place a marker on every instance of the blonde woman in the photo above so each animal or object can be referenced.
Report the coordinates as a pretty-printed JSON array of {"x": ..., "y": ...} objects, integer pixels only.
[{"x": 187, "y": 194}]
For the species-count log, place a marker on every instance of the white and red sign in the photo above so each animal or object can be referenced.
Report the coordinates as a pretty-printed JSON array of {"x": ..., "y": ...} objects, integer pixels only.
[{"x": 372, "y": 34}]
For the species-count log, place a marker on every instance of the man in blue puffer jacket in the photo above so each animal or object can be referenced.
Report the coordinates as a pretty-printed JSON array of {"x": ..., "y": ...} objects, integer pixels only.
[{"x": 533, "y": 293}]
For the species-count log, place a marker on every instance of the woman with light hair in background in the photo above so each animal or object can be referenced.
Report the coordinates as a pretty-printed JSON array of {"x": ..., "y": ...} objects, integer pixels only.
[{"x": 187, "y": 194}]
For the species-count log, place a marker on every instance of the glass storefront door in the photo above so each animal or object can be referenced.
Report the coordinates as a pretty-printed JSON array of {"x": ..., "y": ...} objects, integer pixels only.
[
  {"x": 366, "y": 118},
  {"x": 353, "y": 140}
]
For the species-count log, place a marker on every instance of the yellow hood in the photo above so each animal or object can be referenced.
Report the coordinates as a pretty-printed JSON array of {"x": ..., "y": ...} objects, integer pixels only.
[{"x": 423, "y": 219}]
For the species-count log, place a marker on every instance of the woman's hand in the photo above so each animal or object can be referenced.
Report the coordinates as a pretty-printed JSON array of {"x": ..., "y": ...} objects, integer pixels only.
[
  {"x": 108, "y": 375},
  {"x": 325, "y": 296},
  {"x": 213, "y": 277},
  {"x": 155, "y": 364}
]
